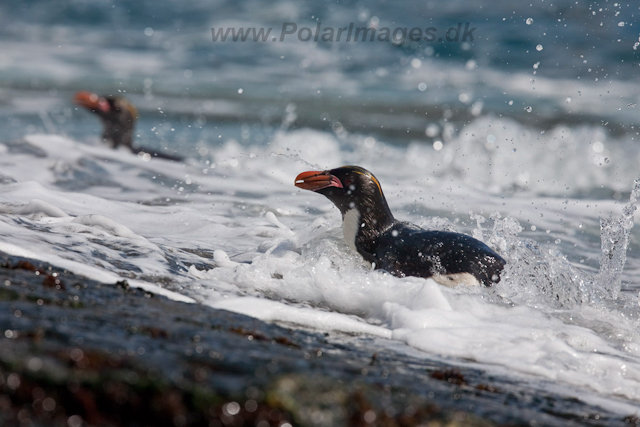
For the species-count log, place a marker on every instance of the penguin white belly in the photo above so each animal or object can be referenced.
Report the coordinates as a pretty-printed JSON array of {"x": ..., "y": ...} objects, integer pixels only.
[
  {"x": 350, "y": 227},
  {"x": 453, "y": 280}
]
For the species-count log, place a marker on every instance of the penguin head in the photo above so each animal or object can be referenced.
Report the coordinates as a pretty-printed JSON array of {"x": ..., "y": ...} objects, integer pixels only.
[
  {"x": 114, "y": 108},
  {"x": 118, "y": 115},
  {"x": 348, "y": 187}
]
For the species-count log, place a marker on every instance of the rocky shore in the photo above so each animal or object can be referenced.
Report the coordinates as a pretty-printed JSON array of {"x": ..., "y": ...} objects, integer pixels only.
[{"x": 75, "y": 352}]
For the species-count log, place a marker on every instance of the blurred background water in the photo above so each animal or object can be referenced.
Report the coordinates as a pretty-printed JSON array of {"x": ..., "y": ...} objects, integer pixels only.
[{"x": 542, "y": 64}]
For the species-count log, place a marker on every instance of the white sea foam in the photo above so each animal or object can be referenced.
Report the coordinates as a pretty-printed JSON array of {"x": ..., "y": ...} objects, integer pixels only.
[
  {"x": 464, "y": 323},
  {"x": 90, "y": 272},
  {"x": 236, "y": 234}
]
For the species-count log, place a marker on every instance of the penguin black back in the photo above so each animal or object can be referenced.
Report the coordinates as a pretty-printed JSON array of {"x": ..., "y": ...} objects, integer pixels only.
[{"x": 400, "y": 248}]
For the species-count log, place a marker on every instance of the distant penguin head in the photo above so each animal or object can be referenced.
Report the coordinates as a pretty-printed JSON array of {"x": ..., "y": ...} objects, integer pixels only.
[
  {"x": 117, "y": 113},
  {"x": 348, "y": 187},
  {"x": 109, "y": 107}
]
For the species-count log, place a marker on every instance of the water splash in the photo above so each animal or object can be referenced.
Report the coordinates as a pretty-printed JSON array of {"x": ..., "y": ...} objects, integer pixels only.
[
  {"x": 290, "y": 116},
  {"x": 534, "y": 273},
  {"x": 614, "y": 235},
  {"x": 537, "y": 273}
]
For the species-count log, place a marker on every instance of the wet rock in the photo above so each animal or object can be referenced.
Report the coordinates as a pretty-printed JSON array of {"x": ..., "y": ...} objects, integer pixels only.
[{"x": 107, "y": 355}]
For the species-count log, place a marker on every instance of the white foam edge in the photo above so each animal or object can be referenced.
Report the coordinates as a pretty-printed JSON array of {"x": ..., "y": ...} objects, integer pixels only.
[
  {"x": 92, "y": 272},
  {"x": 274, "y": 311}
]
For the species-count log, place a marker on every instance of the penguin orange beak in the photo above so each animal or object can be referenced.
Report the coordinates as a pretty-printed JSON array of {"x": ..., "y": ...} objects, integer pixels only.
[
  {"x": 317, "y": 180},
  {"x": 91, "y": 101}
]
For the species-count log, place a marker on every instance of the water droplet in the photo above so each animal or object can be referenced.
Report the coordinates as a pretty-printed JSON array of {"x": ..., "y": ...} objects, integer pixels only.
[
  {"x": 568, "y": 100},
  {"x": 422, "y": 86},
  {"x": 632, "y": 105},
  {"x": 432, "y": 130},
  {"x": 240, "y": 90},
  {"x": 598, "y": 147},
  {"x": 529, "y": 21},
  {"x": 476, "y": 108},
  {"x": 529, "y": 109},
  {"x": 539, "y": 48},
  {"x": 231, "y": 408}
]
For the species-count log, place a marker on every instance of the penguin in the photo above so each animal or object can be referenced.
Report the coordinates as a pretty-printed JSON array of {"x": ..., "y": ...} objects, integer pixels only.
[
  {"x": 400, "y": 248},
  {"x": 118, "y": 117}
]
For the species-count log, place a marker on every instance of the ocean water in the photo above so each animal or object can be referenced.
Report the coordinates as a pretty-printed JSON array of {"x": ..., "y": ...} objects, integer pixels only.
[{"x": 524, "y": 138}]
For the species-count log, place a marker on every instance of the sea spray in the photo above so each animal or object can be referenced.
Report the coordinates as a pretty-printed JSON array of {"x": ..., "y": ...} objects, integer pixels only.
[
  {"x": 614, "y": 235},
  {"x": 534, "y": 273},
  {"x": 538, "y": 273}
]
